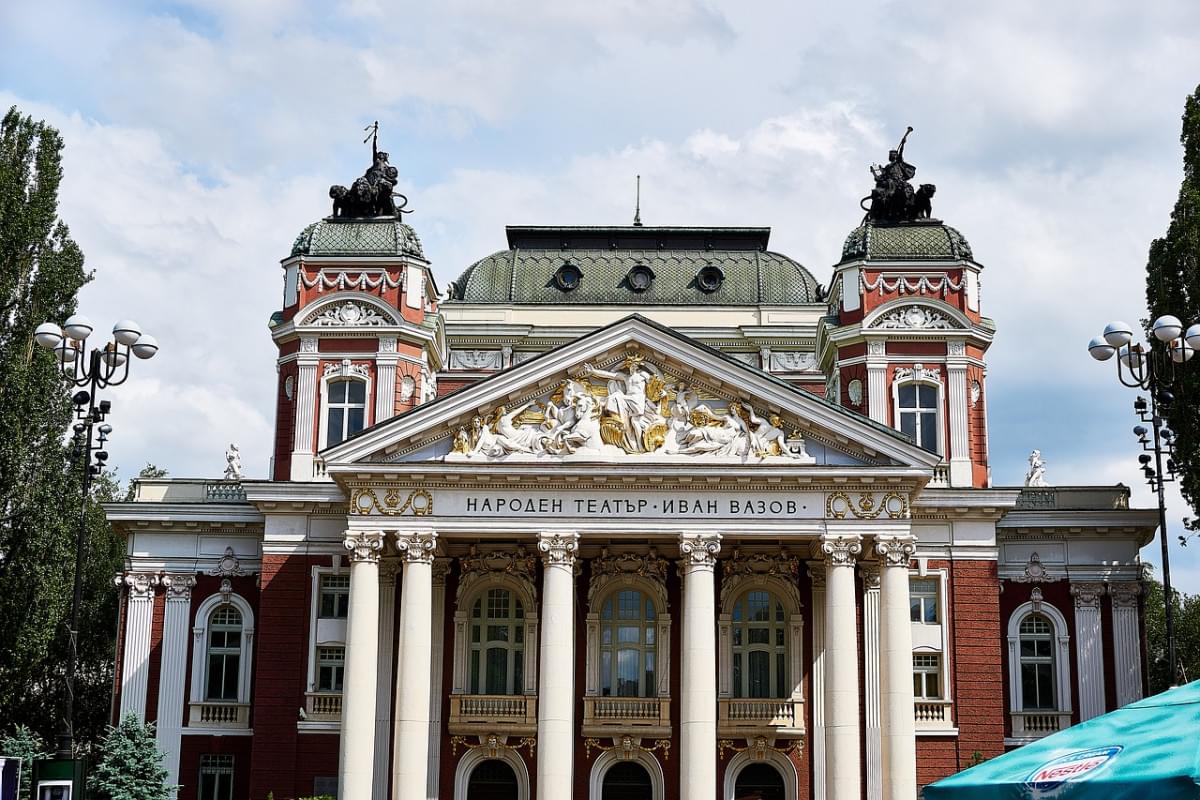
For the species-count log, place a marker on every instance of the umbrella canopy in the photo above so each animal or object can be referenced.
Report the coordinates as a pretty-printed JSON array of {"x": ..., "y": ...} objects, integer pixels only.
[{"x": 1148, "y": 750}]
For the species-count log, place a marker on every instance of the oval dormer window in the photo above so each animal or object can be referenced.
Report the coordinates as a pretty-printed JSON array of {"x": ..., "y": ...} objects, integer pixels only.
[
  {"x": 640, "y": 278},
  {"x": 710, "y": 278},
  {"x": 567, "y": 277}
]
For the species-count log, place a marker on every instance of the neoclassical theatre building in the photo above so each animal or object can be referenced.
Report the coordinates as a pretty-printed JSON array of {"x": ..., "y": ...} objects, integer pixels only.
[{"x": 624, "y": 512}]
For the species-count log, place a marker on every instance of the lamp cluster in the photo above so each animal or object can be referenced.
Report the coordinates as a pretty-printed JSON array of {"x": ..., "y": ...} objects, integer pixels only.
[
  {"x": 68, "y": 341},
  {"x": 1117, "y": 339}
]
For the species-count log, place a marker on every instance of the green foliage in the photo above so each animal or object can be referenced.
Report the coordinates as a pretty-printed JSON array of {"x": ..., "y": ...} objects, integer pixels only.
[
  {"x": 130, "y": 765},
  {"x": 1187, "y": 636},
  {"x": 148, "y": 471},
  {"x": 1173, "y": 287},
  {"x": 26, "y": 745},
  {"x": 977, "y": 758}
]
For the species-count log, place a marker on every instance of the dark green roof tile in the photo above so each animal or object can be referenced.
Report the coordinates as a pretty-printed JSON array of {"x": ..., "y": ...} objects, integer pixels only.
[
  {"x": 916, "y": 241},
  {"x": 376, "y": 237}
]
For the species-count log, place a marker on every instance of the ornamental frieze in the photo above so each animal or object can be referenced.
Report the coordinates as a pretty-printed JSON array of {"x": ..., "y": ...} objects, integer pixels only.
[
  {"x": 391, "y": 502},
  {"x": 867, "y": 505},
  {"x": 606, "y": 568},
  {"x": 745, "y": 567},
  {"x": 635, "y": 409},
  {"x": 519, "y": 564}
]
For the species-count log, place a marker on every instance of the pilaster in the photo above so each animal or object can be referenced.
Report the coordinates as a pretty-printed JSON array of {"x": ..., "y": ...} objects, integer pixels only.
[
  {"x": 1127, "y": 641},
  {"x": 956, "y": 401},
  {"x": 1089, "y": 648},
  {"x": 816, "y": 572},
  {"x": 383, "y": 675},
  {"x": 173, "y": 670},
  {"x": 385, "y": 379},
  {"x": 877, "y": 397},
  {"x": 869, "y": 571},
  {"x": 135, "y": 665},
  {"x": 441, "y": 567},
  {"x": 306, "y": 405}
]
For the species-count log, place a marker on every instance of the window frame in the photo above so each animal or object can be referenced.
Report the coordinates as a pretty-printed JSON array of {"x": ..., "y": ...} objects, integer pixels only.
[
  {"x": 935, "y": 599},
  {"x": 218, "y": 771},
  {"x": 643, "y": 648},
  {"x": 789, "y": 596},
  {"x": 922, "y": 376},
  {"x": 608, "y": 586},
  {"x": 200, "y": 646},
  {"x": 338, "y": 667},
  {"x": 332, "y": 373},
  {"x": 936, "y": 669},
  {"x": 775, "y": 646},
  {"x": 1061, "y": 658},
  {"x": 479, "y": 672},
  {"x": 522, "y": 590},
  {"x": 323, "y": 631},
  {"x": 335, "y": 592}
]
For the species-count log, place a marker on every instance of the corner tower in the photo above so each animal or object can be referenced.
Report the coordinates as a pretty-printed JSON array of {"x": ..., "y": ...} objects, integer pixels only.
[
  {"x": 359, "y": 335},
  {"x": 905, "y": 340}
]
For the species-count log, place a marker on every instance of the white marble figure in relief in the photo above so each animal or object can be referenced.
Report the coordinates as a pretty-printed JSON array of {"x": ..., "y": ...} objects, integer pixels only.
[{"x": 640, "y": 411}]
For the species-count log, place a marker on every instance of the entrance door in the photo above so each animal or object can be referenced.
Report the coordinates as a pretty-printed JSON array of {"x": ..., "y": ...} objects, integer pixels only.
[
  {"x": 492, "y": 780},
  {"x": 627, "y": 780},
  {"x": 759, "y": 782}
]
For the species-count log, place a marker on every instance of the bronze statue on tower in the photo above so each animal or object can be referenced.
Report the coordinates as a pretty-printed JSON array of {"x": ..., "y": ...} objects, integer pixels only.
[
  {"x": 371, "y": 195},
  {"x": 893, "y": 199}
]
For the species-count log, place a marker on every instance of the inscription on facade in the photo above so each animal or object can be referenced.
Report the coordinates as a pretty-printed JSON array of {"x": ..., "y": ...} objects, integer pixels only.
[{"x": 712, "y": 505}]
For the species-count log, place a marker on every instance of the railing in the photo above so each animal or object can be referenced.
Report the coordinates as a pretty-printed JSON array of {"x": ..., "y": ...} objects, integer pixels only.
[
  {"x": 941, "y": 477},
  {"x": 224, "y": 491},
  {"x": 219, "y": 715},
  {"x": 323, "y": 705},
  {"x": 649, "y": 715},
  {"x": 499, "y": 713},
  {"x": 759, "y": 714},
  {"x": 932, "y": 715},
  {"x": 1036, "y": 724}
]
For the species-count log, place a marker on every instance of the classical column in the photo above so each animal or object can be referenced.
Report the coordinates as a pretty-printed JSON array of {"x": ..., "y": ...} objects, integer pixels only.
[
  {"x": 698, "y": 694},
  {"x": 556, "y": 699},
  {"x": 416, "y": 654},
  {"x": 877, "y": 396},
  {"x": 842, "y": 761},
  {"x": 135, "y": 663},
  {"x": 1089, "y": 648},
  {"x": 362, "y": 658},
  {"x": 306, "y": 405},
  {"x": 896, "y": 668},
  {"x": 385, "y": 379},
  {"x": 173, "y": 669},
  {"x": 816, "y": 572},
  {"x": 869, "y": 571},
  {"x": 441, "y": 567},
  {"x": 1127, "y": 641},
  {"x": 383, "y": 675}
]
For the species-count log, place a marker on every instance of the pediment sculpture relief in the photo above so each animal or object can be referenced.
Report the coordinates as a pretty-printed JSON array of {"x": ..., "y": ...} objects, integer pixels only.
[{"x": 635, "y": 409}]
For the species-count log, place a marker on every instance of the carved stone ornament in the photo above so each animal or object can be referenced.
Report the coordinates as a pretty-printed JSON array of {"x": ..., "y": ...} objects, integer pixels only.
[
  {"x": 308, "y": 344},
  {"x": 759, "y": 746},
  {"x": 1036, "y": 572},
  {"x": 393, "y": 503},
  {"x": 956, "y": 348},
  {"x": 876, "y": 347},
  {"x": 607, "y": 567},
  {"x": 340, "y": 280},
  {"x": 816, "y": 574},
  {"x": 976, "y": 393},
  {"x": 346, "y": 369},
  {"x": 140, "y": 584},
  {"x": 387, "y": 344},
  {"x": 289, "y": 387},
  {"x": 521, "y": 356},
  {"x": 698, "y": 550},
  {"x": 869, "y": 505},
  {"x": 1036, "y": 598},
  {"x": 633, "y": 408},
  {"x": 914, "y": 317},
  {"x": 895, "y": 551},
  {"x": 226, "y": 591},
  {"x": 1087, "y": 595},
  {"x": 855, "y": 391},
  {"x": 519, "y": 564},
  {"x": 840, "y": 550},
  {"x": 918, "y": 372},
  {"x": 627, "y": 746},
  {"x": 1125, "y": 595},
  {"x": 791, "y": 361},
  {"x": 869, "y": 572},
  {"x": 416, "y": 547},
  {"x": 407, "y": 387},
  {"x": 178, "y": 587},
  {"x": 476, "y": 359},
  {"x": 741, "y": 567},
  {"x": 348, "y": 314},
  {"x": 228, "y": 566},
  {"x": 364, "y": 545},
  {"x": 558, "y": 549}
]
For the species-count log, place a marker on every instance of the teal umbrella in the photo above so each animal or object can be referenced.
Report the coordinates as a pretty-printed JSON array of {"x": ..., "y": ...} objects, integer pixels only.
[{"x": 1148, "y": 750}]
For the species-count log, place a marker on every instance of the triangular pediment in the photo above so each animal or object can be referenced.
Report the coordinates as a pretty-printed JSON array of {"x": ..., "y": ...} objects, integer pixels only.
[{"x": 634, "y": 392}]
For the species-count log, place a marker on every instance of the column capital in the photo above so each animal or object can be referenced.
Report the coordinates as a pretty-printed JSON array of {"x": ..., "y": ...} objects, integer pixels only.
[
  {"x": 816, "y": 572},
  {"x": 699, "y": 550},
  {"x": 1125, "y": 595},
  {"x": 441, "y": 568},
  {"x": 895, "y": 550},
  {"x": 178, "y": 586},
  {"x": 388, "y": 570},
  {"x": 141, "y": 584},
  {"x": 364, "y": 545},
  {"x": 1087, "y": 595},
  {"x": 416, "y": 547},
  {"x": 558, "y": 549},
  {"x": 840, "y": 549},
  {"x": 869, "y": 572}
]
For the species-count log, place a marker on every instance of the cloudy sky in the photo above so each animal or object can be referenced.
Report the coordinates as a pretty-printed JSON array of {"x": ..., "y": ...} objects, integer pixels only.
[{"x": 202, "y": 136}]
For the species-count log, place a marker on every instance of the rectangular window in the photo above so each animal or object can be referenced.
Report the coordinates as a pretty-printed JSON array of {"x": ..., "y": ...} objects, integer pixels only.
[
  {"x": 923, "y": 600},
  {"x": 331, "y": 668},
  {"x": 335, "y": 597},
  {"x": 927, "y": 676},
  {"x": 216, "y": 777}
]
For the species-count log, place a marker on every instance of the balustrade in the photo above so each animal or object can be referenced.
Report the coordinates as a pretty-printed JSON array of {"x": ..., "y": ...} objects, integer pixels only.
[
  {"x": 515, "y": 713},
  {"x": 738, "y": 716}
]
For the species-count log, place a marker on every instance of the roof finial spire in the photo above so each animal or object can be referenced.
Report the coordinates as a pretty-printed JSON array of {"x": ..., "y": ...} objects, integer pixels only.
[{"x": 637, "y": 209}]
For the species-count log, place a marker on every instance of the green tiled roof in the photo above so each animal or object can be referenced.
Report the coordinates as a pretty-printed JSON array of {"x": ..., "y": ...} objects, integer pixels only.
[
  {"x": 911, "y": 241},
  {"x": 376, "y": 237},
  {"x": 526, "y": 276}
]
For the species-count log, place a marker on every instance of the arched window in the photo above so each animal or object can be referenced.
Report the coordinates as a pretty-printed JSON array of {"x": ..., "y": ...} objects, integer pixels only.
[
  {"x": 769, "y": 776},
  {"x": 627, "y": 645},
  {"x": 497, "y": 646},
  {"x": 1038, "y": 679},
  {"x": 759, "y": 782},
  {"x": 492, "y": 780},
  {"x": 223, "y": 674},
  {"x": 627, "y": 780},
  {"x": 918, "y": 413},
  {"x": 345, "y": 409},
  {"x": 759, "y": 640}
]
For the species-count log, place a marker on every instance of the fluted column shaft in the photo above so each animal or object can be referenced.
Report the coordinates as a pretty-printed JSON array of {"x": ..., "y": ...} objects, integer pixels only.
[
  {"x": 556, "y": 698},
  {"x": 362, "y": 655},
  {"x": 135, "y": 663},
  {"x": 416, "y": 655},
  {"x": 896, "y": 668},
  {"x": 698, "y": 694},
  {"x": 173, "y": 670},
  {"x": 843, "y": 777}
]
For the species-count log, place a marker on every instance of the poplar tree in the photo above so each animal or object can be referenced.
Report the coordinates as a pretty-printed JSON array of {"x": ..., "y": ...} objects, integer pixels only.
[
  {"x": 1173, "y": 287},
  {"x": 41, "y": 272}
]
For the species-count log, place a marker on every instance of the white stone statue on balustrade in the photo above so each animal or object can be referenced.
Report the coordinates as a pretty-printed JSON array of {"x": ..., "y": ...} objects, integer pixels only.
[
  {"x": 233, "y": 464},
  {"x": 1036, "y": 476}
]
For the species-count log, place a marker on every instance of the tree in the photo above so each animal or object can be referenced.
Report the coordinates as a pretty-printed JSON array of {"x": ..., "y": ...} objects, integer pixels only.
[
  {"x": 26, "y": 745},
  {"x": 41, "y": 272},
  {"x": 1187, "y": 636},
  {"x": 1173, "y": 287},
  {"x": 130, "y": 765}
]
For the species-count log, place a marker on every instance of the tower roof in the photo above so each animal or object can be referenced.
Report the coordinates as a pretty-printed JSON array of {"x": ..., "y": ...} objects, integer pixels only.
[
  {"x": 906, "y": 241},
  {"x": 385, "y": 236}
]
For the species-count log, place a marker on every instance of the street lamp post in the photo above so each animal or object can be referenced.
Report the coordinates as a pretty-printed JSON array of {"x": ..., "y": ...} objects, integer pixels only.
[
  {"x": 100, "y": 368},
  {"x": 1154, "y": 370}
]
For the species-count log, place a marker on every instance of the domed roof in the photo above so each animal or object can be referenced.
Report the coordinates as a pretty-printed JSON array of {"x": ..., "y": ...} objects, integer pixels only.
[
  {"x": 906, "y": 241},
  {"x": 386, "y": 236},
  {"x": 639, "y": 266}
]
